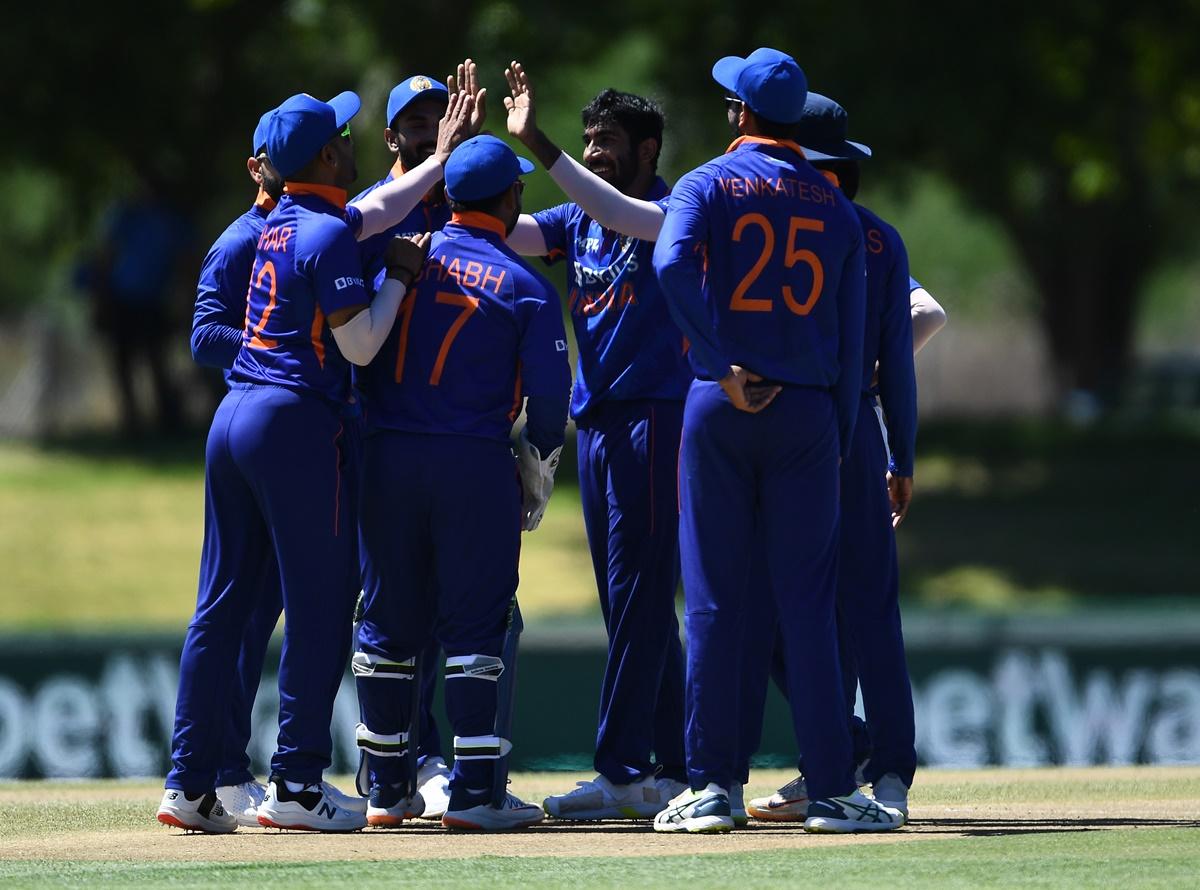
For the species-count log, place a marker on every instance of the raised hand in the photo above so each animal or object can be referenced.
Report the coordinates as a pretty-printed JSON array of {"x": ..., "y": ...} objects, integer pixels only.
[
  {"x": 466, "y": 80},
  {"x": 454, "y": 126},
  {"x": 522, "y": 119}
]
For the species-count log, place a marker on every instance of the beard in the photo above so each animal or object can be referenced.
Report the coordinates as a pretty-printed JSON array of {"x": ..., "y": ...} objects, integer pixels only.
[
  {"x": 619, "y": 173},
  {"x": 416, "y": 155}
]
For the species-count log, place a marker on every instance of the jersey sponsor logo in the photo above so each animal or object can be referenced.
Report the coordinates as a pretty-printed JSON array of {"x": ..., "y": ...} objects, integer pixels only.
[
  {"x": 347, "y": 281},
  {"x": 586, "y": 275},
  {"x": 739, "y": 187}
]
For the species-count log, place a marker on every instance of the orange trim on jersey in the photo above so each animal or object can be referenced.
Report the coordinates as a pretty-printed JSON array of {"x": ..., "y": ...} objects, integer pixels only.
[
  {"x": 477, "y": 219},
  {"x": 330, "y": 193},
  {"x": 430, "y": 197},
  {"x": 263, "y": 200},
  {"x": 315, "y": 335},
  {"x": 397, "y": 168},
  {"x": 516, "y": 408},
  {"x": 763, "y": 140},
  {"x": 832, "y": 177}
]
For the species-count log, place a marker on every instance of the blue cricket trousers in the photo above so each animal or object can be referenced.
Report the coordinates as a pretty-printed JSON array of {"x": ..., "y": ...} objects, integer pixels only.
[
  {"x": 275, "y": 485},
  {"x": 774, "y": 475},
  {"x": 440, "y": 525},
  {"x": 628, "y": 465}
]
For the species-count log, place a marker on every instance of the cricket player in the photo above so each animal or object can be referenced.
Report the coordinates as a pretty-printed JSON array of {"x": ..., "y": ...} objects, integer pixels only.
[
  {"x": 628, "y": 409},
  {"x": 414, "y": 109},
  {"x": 217, "y": 329},
  {"x": 274, "y": 466},
  {"x": 876, "y": 486},
  {"x": 480, "y": 335},
  {"x": 762, "y": 263}
]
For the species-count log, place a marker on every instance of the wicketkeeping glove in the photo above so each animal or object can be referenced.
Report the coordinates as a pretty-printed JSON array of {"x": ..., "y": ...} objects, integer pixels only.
[{"x": 537, "y": 480}]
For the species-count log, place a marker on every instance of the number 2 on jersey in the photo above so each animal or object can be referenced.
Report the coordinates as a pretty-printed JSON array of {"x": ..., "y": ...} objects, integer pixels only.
[
  {"x": 256, "y": 340},
  {"x": 742, "y": 303},
  {"x": 468, "y": 303}
]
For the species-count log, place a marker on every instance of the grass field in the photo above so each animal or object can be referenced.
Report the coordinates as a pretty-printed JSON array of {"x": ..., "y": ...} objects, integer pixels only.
[
  {"x": 1128, "y": 827},
  {"x": 97, "y": 535}
]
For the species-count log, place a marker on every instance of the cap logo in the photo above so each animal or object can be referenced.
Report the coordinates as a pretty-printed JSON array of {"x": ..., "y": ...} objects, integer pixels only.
[{"x": 420, "y": 83}]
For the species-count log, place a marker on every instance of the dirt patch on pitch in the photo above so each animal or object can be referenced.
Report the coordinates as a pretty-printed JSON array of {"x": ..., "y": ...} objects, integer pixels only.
[{"x": 981, "y": 815}]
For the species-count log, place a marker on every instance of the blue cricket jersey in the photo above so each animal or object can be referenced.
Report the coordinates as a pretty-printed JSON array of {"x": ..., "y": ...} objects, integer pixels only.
[
  {"x": 628, "y": 346},
  {"x": 306, "y": 267},
  {"x": 428, "y": 216},
  {"x": 478, "y": 332},
  {"x": 888, "y": 336},
  {"x": 221, "y": 292},
  {"x": 761, "y": 259}
]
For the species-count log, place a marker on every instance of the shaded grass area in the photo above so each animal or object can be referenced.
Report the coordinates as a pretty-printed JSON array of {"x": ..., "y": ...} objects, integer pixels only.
[
  {"x": 1165, "y": 858},
  {"x": 97, "y": 534}
]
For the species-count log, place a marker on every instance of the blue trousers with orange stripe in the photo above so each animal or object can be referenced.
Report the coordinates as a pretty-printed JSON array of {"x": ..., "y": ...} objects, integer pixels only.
[
  {"x": 440, "y": 521},
  {"x": 275, "y": 487},
  {"x": 869, "y": 626},
  {"x": 628, "y": 462},
  {"x": 772, "y": 475}
]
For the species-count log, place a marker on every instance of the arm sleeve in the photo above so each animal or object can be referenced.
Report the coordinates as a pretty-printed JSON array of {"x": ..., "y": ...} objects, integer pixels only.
[
  {"x": 552, "y": 224},
  {"x": 605, "y": 203},
  {"x": 546, "y": 420},
  {"x": 679, "y": 264},
  {"x": 220, "y": 310},
  {"x": 335, "y": 267},
  {"x": 527, "y": 236},
  {"x": 545, "y": 370},
  {"x": 852, "y": 315},
  {"x": 928, "y": 316},
  {"x": 359, "y": 339},
  {"x": 897, "y": 377},
  {"x": 386, "y": 206}
]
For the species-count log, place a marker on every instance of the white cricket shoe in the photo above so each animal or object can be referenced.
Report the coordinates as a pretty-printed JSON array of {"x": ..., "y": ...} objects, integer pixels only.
[
  {"x": 388, "y": 807},
  {"x": 242, "y": 801},
  {"x": 512, "y": 813},
  {"x": 433, "y": 784},
  {"x": 599, "y": 798},
  {"x": 668, "y": 790},
  {"x": 788, "y": 804},
  {"x": 737, "y": 805},
  {"x": 203, "y": 812},
  {"x": 890, "y": 791},
  {"x": 850, "y": 813},
  {"x": 311, "y": 809},
  {"x": 697, "y": 812},
  {"x": 351, "y": 802}
]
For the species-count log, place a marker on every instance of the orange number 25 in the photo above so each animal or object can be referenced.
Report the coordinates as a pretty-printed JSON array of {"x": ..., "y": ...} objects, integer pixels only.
[
  {"x": 469, "y": 305},
  {"x": 742, "y": 303}
]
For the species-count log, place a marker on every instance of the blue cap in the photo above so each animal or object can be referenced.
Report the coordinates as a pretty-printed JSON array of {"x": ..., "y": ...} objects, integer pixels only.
[
  {"x": 481, "y": 167},
  {"x": 416, "y": 87},
  {"x": 823, "y": 132},
  {"x": 260, "y": 135},
  {"x": 300, "y": 127},
  {"x": 768, "y": 81}
]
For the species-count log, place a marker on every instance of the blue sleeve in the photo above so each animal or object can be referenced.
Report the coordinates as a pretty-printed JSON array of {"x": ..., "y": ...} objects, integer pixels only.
[
  {"x": 546, "y": 420},
  {"x": 334, "y": 265},
  {"x": 221, "y": 305},
  {"x": 553, "y": 223},
  {"x": 545, "y": 370},
  {"x": 353, "y": 220},
  {"x": 852, "y": 322},
  {"x": 679, "y": 264},
  {"x": 913, "y": 284},
  {"x": 897, "y": 376}
]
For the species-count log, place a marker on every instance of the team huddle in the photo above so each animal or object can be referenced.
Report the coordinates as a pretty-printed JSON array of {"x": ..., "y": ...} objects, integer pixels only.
[{"x": 745, "y": 405}]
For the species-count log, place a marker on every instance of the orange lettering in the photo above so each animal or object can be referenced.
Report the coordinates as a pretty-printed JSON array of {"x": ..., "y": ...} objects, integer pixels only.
[{"x": 471, "y": 277}]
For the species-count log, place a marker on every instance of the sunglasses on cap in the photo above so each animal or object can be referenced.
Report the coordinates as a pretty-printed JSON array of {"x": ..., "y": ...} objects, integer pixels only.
[{"x": 345, "y": 132}]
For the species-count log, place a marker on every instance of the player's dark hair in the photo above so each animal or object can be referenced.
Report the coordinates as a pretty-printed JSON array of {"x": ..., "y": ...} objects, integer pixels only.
[
  {"x": 641, "y": 118},
  {"x": 774, "y": 129},
  {"x": 847, "y": 173},
  {"x": 489, "y": 206}
]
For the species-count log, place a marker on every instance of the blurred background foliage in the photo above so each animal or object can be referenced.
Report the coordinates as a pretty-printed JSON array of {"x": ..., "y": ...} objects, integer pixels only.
[{"x": 1042, "y": 161}]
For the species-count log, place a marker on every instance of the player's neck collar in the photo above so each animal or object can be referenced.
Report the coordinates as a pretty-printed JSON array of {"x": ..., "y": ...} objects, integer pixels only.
[
  {"x": 831, "y": 176},
  {"x": 763, "y": 140},
  {"x": 330, "y": 193},
  {"x": 397, "y": 168},
  {"x": 263, "y": 201},
  {"x": 475, "y": 219}
]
